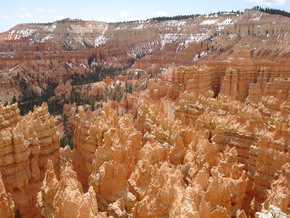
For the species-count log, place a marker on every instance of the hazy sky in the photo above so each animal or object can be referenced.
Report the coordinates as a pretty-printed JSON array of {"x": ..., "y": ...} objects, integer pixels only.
[{"x": 14, "y": 12}]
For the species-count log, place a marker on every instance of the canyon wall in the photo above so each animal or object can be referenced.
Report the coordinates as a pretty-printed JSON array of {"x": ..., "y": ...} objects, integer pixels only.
[{"x": 69, "y": 48}]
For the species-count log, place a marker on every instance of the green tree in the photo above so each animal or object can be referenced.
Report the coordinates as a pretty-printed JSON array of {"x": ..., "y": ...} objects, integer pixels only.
[{"x": 13, "y": 100}]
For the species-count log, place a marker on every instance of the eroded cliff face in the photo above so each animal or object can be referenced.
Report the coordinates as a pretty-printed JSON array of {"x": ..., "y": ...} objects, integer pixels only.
[
  {"x": 71, "y": 48},
  {"x": 25, "y": 148}
]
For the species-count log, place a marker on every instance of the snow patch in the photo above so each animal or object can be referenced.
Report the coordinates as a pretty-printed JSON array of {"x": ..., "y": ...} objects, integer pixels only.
[
  {"x": 208, "y": 22},
  {"x": 192, "y": 38},
  {"x": 17, "y": 34},
  {"x": 70, "y": 65},
  {"x": 225, "y": 22},
  {"x": 27, "y": 32},
  {"x": 142, "y": 48},
  {"x": 198, "y": 56},
  {"x": 100, "y": 40},
  {"x": 11, "y": 69},
  {"x": 173, "y": 23},
  {"x": 51, "y": 28},
  {"x": 83, "y": 65},
  {"x": 94, "y": 63},
  {"x": 271, "y": 213},
  {"x": 139, "y": 27},
  {"x": 256, "y": 18},
  {"x": 48, "y": 37},
  {"x": 168, "y": 38},
  {"x": 232, "y": 36},
  {"x": 120, "y": 28}
]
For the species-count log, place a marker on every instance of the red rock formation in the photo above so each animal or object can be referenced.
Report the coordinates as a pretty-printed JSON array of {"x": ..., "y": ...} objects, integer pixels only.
[
  {"x": 58, "y": 50},
  {"x": 163, "y": 167},
  {"x": 108, "y": 154},
  {"x": 279, "y": 193},
  {"x": 25, "y": 149},
  {"x": 9, "y": 115},
  {"x": 194, "y": 152},
  {"x": 106, "y": 126},
  {"x": 240, "y": 126},
  {"x": 6, "y": 202},
  {"x": 278, "y": 88},
  {"x": 238, "y": 78},
  {"x": 65, "y": 197},
  {"x": 63, "y": 90}
]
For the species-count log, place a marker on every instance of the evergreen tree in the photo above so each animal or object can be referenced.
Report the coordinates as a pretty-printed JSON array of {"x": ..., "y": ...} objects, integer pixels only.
[{"x": 13, "y": 100}]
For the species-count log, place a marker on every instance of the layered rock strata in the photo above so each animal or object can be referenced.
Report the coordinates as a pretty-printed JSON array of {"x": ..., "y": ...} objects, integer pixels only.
[
  {"x": 25, "y": 149},
  {"x": 9, "y": 115},
  {"x": 262, "y": 144}
]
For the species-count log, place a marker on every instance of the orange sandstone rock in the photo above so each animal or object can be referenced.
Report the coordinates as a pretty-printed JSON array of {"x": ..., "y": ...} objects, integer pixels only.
[
  {"x": 7, "y": 207},
  {"x": 25, "y": 149},
  {"x": 64, "y": 197}
]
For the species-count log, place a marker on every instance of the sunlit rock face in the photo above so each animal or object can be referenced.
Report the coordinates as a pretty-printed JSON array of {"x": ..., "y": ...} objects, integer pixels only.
[
  {"x": 65, "y": 197},
  {"x": 26, "y": 146},
  {"x": 231, "y": 160}
]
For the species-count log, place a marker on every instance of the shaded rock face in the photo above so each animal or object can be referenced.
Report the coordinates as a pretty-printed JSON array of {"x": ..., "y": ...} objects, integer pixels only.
[
  {"x": 7, "y": 207},
  {"x": 25, "y": 148}
]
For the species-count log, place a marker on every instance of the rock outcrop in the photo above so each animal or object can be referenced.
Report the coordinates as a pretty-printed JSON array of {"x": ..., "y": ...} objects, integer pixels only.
[
  {"x": 279, "y": 192},
  {"x": 239, "y": 75},
  {"x": 7, "y": 207},
  {"x": 225, "y": 161},
  {"x": 106, "y": 150},
  {"x": 9, "y": 115},
  {"x": 25, "y": 149},
  {"x": 263, "y": 150},
  {"x": 65, "y": 197}
]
